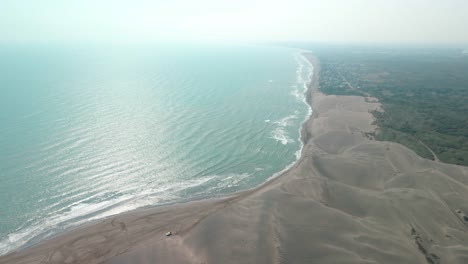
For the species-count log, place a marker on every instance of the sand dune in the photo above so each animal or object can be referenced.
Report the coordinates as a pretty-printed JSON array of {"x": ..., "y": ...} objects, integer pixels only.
[{"x": 349, "y": 199}]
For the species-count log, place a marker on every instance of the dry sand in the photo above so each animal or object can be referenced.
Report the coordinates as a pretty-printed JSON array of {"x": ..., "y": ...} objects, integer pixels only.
[{"x": 349, "y": 199}]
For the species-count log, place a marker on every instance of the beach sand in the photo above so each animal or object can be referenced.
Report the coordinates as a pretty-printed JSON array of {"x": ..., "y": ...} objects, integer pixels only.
[{"x": 348, "y": 199}]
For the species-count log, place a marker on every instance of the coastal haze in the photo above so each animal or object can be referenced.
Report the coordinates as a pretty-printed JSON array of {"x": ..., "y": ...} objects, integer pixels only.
[
  {"x": 241, "y": 132},
  {"x": 209, "y": 21}
]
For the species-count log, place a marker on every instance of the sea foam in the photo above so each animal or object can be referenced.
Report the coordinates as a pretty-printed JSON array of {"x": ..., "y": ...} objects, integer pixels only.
[{"x": 303, "y": 76}]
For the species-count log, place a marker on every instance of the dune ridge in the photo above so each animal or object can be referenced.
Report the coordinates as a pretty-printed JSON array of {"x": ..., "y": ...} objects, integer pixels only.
[{"x": 348, "y": 199}]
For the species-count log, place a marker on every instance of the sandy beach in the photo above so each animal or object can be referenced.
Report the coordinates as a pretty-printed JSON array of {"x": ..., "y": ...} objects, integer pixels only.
[{"x": 348, "y": 199}]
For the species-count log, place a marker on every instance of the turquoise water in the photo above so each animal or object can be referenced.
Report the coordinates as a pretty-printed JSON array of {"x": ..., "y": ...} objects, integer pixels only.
[{"x": 91, "y": 132}]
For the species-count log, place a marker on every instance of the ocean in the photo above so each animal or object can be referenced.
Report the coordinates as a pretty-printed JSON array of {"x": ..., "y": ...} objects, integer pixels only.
[{"x": 89, "y": 132}]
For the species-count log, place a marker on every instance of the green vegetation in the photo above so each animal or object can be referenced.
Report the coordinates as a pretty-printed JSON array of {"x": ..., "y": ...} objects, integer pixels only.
[{"x": 424, "y": 94}]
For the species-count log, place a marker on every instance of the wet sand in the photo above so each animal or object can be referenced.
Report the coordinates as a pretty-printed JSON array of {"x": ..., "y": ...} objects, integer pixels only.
[{"x": 348, "y": 199}]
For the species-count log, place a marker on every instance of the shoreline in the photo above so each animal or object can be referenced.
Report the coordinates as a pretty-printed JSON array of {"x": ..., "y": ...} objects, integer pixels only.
[
  {"x": 37, "y": 241},
  {"x": 346, "y": 199},
  {"x": 302, "y": 131}
]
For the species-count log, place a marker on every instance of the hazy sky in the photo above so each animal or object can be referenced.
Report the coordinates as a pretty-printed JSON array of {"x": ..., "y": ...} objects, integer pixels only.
[{"x": 377, "y": 21}]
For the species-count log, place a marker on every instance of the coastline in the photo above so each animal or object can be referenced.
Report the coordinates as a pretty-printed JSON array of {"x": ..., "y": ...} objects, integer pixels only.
[
  {"x": 346, "y": 199},
  {"x": 209, "y": 172},
  {"x": 311, "y": 87}
]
